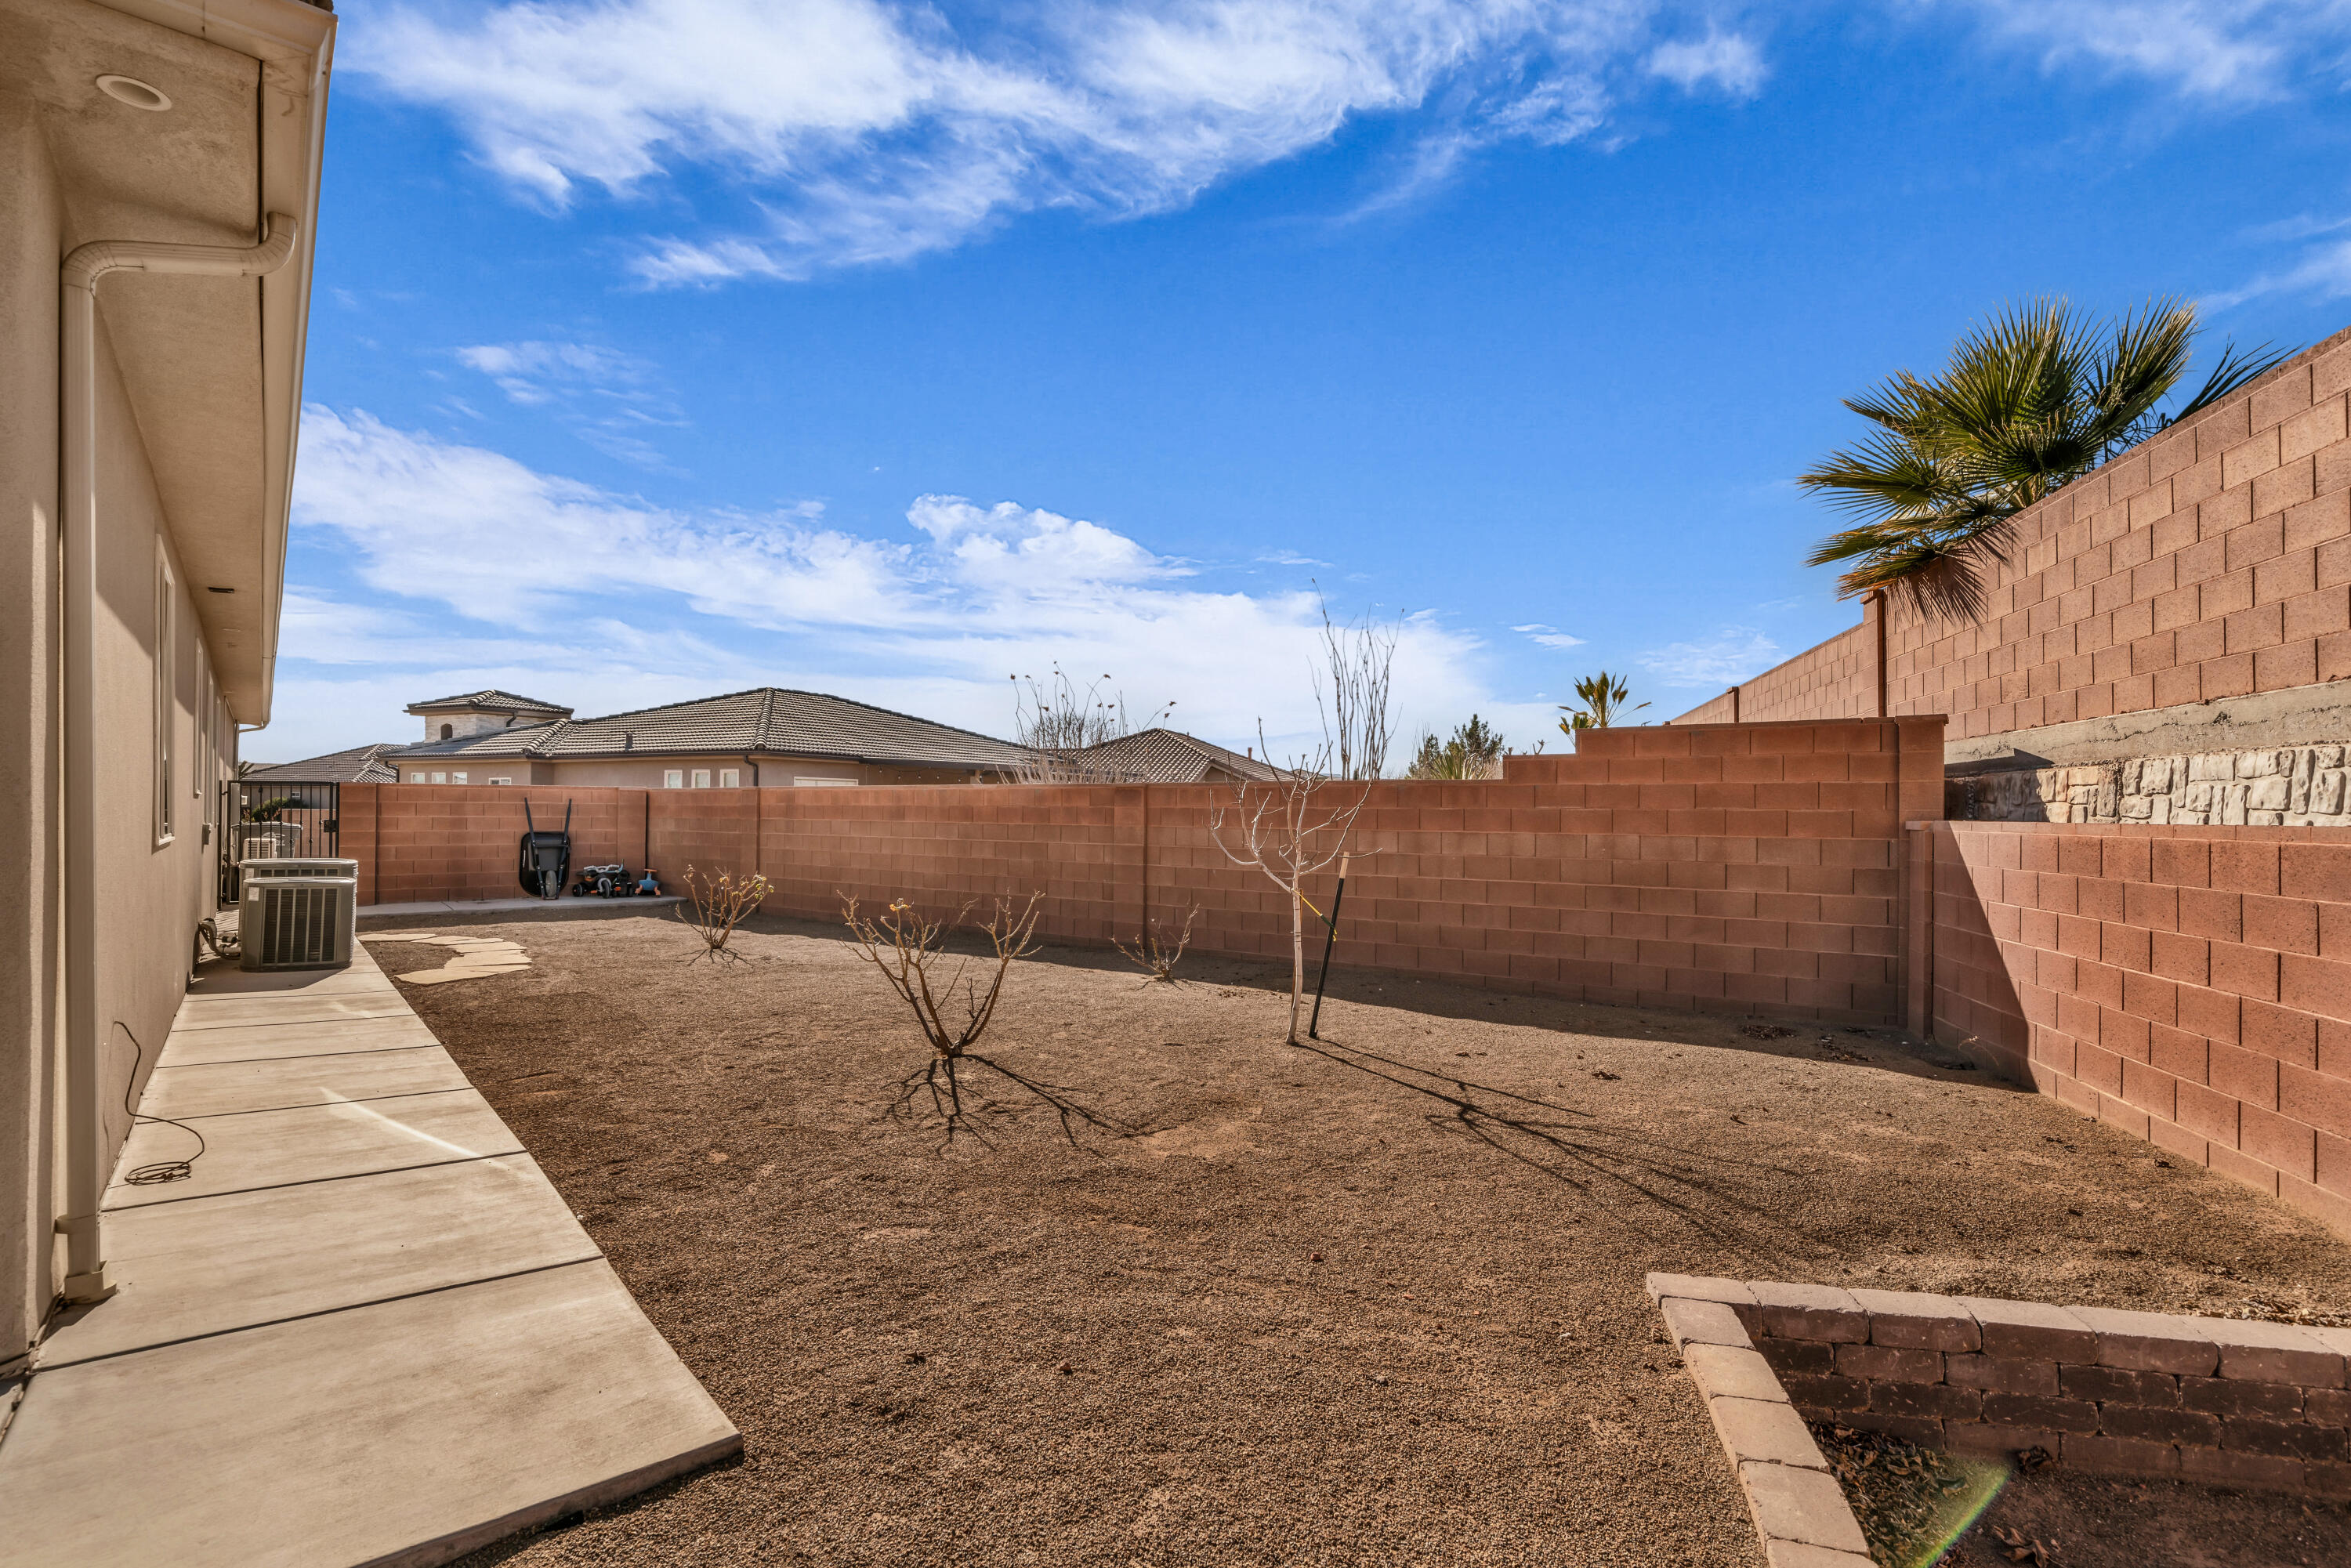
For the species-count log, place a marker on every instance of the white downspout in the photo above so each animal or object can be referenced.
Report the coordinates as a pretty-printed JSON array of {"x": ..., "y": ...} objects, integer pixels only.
[{"x": 86, "y": 1272}]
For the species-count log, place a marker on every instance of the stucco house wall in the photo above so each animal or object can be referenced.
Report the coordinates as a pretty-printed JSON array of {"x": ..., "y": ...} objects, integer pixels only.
[{"x": 651, "y": 772}]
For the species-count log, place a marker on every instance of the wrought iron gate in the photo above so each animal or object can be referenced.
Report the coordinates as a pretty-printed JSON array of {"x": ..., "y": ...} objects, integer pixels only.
[{"x": 272, "y": 820}]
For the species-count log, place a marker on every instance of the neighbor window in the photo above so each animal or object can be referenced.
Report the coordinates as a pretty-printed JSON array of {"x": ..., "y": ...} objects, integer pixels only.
[
  {"x": 440, "y": 778},
  {"x": 824, "y": 783},
  {"x": 166, "y": 692},
  {"x": 730, "y": 779},
  {"x": 456, "y": 779},
  {"x": 673, "y": 779},
  {"x": 416, "y": 779},
  {"x": 702, "y": 778},
  {"x": 448, "y": 731},
  {"x": 501, "y": 781}
]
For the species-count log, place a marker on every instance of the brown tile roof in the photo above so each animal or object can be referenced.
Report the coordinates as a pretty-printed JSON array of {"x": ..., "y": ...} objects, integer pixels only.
[
  {"x": 1168, "y": 756},
  {"x": 360, "y": 764},
  {"x": 491, "y": 700},
  {"x": 765, "y": 719}
]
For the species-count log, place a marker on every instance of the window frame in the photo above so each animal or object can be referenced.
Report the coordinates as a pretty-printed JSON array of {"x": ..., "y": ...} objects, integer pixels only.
[
  {"x": 672, "y": 779},
  {"x": 166, "y": 692}
]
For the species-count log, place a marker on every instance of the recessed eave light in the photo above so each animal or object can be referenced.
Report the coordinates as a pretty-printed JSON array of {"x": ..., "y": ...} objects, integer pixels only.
[{"x": 134, "y": 92}]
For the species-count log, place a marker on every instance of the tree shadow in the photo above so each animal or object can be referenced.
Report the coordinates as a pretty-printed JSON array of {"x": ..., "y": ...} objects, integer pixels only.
[
  {"x": 1621, "y": 1171},
  {"x": 944, "y": 1081}
]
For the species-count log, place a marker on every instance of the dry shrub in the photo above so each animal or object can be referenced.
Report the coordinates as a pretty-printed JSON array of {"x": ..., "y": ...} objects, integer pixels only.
[
  {"x": 717, "y": 907},
  {"x": 906, "y": 948},
  {"x": 1154, "y": 954}
]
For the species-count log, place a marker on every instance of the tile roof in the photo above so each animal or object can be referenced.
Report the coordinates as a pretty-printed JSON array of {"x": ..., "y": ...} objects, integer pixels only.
[
  {"x": 767, "y": 719},
  {"x": 1167, "y": 757},
  {"x": 489, "y": 699},
  {"x": 360, "y": 764}
]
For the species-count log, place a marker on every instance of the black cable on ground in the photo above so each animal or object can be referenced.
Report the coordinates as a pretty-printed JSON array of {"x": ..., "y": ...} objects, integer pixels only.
[{"x": 161, "y": 1171}]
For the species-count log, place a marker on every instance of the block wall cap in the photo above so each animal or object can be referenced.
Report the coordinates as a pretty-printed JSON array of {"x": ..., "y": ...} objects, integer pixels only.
[
  {"x": 1703, "y": 1323},
  {"x": 1699, "y": 1287}
]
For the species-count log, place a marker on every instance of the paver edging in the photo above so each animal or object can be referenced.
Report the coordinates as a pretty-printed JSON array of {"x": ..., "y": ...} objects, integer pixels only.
[
  {"x": 2221, "y": 1401},
  {"x": 1797, "y": 1507}
]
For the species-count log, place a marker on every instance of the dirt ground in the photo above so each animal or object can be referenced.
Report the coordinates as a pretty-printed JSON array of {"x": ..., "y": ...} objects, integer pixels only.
[{"x": 1378, "y": 1300}]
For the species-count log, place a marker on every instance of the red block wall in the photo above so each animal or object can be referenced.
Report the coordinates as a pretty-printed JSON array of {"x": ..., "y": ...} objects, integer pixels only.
[
  {"x": 1735, "y": 867},
  {"x": 2212, "y": 560},
  {"x": 2192, "y": 985}
]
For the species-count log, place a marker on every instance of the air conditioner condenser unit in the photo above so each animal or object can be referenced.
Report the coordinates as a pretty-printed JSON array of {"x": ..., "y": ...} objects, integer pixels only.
[{"x": 297, "y": 922}]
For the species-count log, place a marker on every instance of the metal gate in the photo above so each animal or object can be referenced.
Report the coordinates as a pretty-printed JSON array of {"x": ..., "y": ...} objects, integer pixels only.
[{"x": 272, "y": 819}]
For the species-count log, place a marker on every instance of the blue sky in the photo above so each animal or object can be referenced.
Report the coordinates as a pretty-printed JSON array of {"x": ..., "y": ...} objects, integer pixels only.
[{"x": 662, "y": 347}]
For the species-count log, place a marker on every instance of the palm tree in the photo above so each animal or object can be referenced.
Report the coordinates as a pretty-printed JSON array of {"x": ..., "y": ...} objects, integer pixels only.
[
  {"x": 1603, "y": 697},
  {"x": 2031, "y": 401}
]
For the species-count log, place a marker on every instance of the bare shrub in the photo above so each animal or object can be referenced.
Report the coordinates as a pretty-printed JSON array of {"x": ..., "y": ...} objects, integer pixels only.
[
  {"x": 714, "y": 908},
  {"x": 1154, "y": 954},
  {"x": 1357, "y": 657},
  {"x": 905, "y": 948}
]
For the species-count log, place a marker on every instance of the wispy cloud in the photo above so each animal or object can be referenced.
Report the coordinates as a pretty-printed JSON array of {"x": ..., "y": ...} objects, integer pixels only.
[
  {"x": 2322, "y": 271},
  {"x": 601, "y": 598},
  {"x": 1728, "y": 62},
  {"x": 1731, "y": 655},
  {"x": 2217, "y": 50},
  {"x": 1547, "y": 636},
  {"x": 613, "y": 400},
  {"x": 873, "y": 130}
]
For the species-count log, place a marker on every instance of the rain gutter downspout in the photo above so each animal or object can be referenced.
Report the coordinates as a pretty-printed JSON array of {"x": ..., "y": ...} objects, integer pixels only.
[{"x": 85, "y": 1271}]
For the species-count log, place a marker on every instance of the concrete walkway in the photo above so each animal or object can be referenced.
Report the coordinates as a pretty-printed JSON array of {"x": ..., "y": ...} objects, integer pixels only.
[
  {"x": 522, "y": 906},
  {"x": 365, "y": 1331}
]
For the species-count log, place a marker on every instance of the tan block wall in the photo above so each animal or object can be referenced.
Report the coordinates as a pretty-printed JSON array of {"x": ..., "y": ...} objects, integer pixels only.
[
  {"x": 2211, "y": 561},
  {"x": 1748, "y": 867},
  {"x": 2191, "y": 986}
]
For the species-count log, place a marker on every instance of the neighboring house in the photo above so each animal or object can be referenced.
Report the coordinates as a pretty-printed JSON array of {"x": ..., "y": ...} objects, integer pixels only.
[
  {"x": 159, "y": 167},
  {"x": 1168, "y": 756},
  {"x": 360, "y": 764},
  {"x": 743, "y": 740},
  {"x": 469, "y": 713}
]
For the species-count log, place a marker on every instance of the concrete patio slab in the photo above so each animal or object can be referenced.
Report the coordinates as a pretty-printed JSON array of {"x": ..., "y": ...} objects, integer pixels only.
[
  {"x": 261, "y": 1042},
  {"x": 213, "y": 1264},
  {"x": 229, "y": 983},
  {"x": 406, "y": 1432},
  {"x": 365, "y": 1330},
  {"x": 220, "y": 1088},
  {"x": 318, "y": 1143}
]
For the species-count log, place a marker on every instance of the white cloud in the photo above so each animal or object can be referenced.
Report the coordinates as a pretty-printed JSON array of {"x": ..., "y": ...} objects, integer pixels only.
[
  {"x": 1726, "y": 61},
  {"x": 871, "y": 131},
  {"x": 2322, "y": 271},
  {"x": 1731, "y": 655},
  {"x": 611, "y": 400},
  {"x": 1547, "y": 636},
  {"x": 479, "y": 570},
  {"x": 2239, "y": 50}
]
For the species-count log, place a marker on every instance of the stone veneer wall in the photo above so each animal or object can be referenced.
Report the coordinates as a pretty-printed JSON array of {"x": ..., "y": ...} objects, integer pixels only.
[
  {"x": 2217, "y": 1400},
  {"x": 2295, "y": 786}
]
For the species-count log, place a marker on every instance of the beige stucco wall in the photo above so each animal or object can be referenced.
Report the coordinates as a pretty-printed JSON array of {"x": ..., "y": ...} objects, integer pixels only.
[
  {"x": 30, "y": 1072},
  {"x": 151, "y": 894},
  {"x": 646, "y": 772}
]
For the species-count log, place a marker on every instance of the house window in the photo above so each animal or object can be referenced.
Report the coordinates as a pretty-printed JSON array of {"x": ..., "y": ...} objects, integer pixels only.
[
  {"x": 501, "y": 781},
  {"x": 416, "y": 779},
  {"x": 730, "y": 779},
  {"x": 448, "y": 731},
  {"x": 673, "y": 779},
  {"x": 702, "y": 778},
  {"x": 456, "y": 779},
  {"x": 440, "y": 778},
  {"x": 166, "y": 692},
  {"x": 825, "y": 783}
]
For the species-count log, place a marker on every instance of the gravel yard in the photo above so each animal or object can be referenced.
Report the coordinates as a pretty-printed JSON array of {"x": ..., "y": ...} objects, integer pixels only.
[{"x": 1378, "y": 1300}]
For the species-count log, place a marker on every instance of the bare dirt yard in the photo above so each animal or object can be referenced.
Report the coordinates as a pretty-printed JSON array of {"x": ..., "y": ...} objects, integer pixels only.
[{"x": 1377, "y": 1300}]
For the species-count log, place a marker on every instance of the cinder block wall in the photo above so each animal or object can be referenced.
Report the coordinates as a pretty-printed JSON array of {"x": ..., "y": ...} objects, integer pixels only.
[
  {"x": 1734, "y": 867},
  {"x": 2191, "y": 986},
  {"x": 2211, "y": 561}
]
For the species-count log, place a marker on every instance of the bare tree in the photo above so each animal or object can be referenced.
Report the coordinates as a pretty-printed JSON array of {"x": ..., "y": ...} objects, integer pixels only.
[
  {"x": 1153, "y": 954},
  {"x": 1061, "y": 730},
  {"x": 1292, "y": 829},
  {"x": 1357, "y": 656}
]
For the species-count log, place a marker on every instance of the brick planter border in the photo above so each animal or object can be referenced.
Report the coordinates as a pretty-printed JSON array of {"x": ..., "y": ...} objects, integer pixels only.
[{"x": 2216, "y": 1400}]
